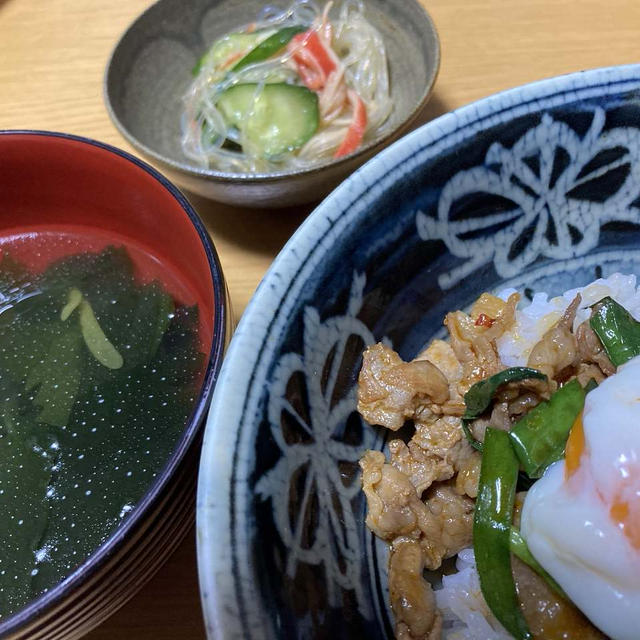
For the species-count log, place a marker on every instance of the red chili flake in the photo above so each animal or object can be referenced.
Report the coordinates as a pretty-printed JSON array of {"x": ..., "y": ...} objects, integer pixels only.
[{"x": 483, "y": 320}]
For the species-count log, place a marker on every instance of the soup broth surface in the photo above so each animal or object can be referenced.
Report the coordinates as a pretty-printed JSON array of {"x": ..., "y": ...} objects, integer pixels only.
[{"x": 100, "y": 365}]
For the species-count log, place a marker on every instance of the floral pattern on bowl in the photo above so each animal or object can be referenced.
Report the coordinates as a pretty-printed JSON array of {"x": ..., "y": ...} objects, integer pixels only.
[{"x": 536, "y": 188}]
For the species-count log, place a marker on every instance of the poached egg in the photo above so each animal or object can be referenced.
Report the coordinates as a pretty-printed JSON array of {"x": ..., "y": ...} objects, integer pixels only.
[{"x": 581, "y": 520}]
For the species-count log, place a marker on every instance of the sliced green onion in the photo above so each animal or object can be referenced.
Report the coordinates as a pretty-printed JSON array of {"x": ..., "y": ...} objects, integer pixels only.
[
  {"x": 520, "y": 549},
  {"x": 466, "y": 428},
  {"x": 617, "y": 330},
  {"x": 480, "y": 395},
  {"x": 540, "y": 436},
  {"x": 590, "y": 386},
  {"x": 492, "y": 531},
  {"x": 478, "y": 399}
]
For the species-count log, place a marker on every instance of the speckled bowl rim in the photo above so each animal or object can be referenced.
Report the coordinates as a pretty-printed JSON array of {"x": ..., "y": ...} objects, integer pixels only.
[
  {"x": 433, "y": 68},
  {"x": 231, "y": 600},
  {"x": 221, "y": 320}
]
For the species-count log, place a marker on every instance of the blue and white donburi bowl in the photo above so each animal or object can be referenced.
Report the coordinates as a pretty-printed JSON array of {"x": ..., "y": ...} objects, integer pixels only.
[{"x": 534, "y": 188}]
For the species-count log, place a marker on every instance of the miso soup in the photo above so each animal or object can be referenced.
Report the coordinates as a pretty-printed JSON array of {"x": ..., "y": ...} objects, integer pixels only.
[{"x": 100, "y": 365}]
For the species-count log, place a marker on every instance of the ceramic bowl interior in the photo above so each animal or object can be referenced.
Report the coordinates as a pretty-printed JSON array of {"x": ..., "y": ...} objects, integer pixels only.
[
  {"x": 150, "y": 70},
  {"x": 77, "y": 188},
  {"x": 536, "y": 189}
]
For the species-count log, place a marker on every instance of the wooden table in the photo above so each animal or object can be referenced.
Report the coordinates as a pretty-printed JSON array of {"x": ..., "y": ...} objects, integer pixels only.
[{"x": 52, "y": 59}]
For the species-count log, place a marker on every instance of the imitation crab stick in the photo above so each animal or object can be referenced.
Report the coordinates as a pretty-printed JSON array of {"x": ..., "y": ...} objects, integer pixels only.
[
  {"x": 355, "y": 132},
  {"x": 312, "y": 59}
]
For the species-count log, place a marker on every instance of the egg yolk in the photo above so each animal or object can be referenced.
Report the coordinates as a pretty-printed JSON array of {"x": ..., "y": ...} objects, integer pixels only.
[
  {"x": 627, "y": 519},
  {"x": 574, "y": 448},
  {"x": 630, "y": 526}
]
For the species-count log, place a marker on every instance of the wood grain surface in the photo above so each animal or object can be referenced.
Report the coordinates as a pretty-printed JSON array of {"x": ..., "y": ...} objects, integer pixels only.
[{"x": 52, "y": 60}]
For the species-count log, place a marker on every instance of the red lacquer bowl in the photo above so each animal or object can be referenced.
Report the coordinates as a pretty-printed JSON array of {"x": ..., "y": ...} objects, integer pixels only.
[{"x": 95, "y": 195}]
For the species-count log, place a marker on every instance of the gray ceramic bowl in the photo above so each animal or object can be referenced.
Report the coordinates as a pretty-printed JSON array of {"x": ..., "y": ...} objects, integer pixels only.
[{"x": 150, "y": 70}]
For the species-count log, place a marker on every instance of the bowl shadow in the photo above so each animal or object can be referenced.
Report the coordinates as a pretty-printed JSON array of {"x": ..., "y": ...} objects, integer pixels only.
[{"x": 248, "y": 228}]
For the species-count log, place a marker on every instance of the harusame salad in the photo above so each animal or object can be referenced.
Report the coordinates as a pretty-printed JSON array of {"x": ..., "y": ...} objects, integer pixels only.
[{"x": 288, "y": 90}]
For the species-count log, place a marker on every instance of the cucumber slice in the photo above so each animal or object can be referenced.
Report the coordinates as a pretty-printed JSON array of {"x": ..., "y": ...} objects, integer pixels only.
[
  {"x": 274, "y": 118},
  {"x": 268, "y": 47},
  {"x": 229, "y": 45}
]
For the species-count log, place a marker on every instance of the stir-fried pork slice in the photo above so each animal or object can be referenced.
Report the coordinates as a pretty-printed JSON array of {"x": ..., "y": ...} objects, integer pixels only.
[
  {"x": 412, "y": 598},
  {"x": 390, "y": 390},
  {"x": 468, "y": 467},
  {"x": 591, "y": 350},
  {"x": 441, "y": 354},
  {"x": 438, "y": 436},
  {"x": 473, "y": 339},
  {"x": 418, "y": 465},
  {"x": 500, "y": 418},
  {"x": 478, "y": 428},
  {"x": 447, "y": 529},
  {"x": 487, "y": 309},
  {"x": 393, "y": 505},
  {"x": 549, "y": 616},
  {"x": 503, "y": 314},
  {"x": 511, "y": 402},
  {"x": 442, "y": 523},
  {"x": 479, "y": 358},
  {"x": 436, "y": 452},
  {"x": 402, "y": 631},
  {"x": 557, "y": 350},
  {"x": 588, "y": 372},
  {"x": 523, "y": 403}
]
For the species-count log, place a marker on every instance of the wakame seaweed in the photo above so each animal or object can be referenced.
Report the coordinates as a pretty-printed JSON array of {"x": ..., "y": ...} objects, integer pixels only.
[{"x": 83, "y": 434}]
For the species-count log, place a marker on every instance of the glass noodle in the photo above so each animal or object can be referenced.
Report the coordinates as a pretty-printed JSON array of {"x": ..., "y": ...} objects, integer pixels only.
[{"x": 357, "y": 54}]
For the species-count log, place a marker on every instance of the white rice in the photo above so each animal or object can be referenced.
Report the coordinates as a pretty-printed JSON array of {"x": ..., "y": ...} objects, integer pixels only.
[
  {"x": 466, "y": 615},
  {"x": 534, "y": 319}
]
